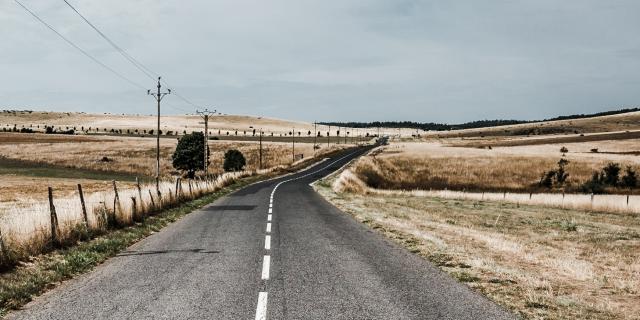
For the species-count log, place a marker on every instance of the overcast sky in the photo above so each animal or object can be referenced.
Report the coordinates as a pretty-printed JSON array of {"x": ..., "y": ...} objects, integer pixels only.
[{"x": 342, "y": 60}]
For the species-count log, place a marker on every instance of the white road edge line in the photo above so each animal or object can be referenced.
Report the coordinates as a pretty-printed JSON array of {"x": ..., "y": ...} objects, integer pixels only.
[
  {"x": 268, "y": 227},
  {"x": 261, "y": 309},
  {"x": 266, "y": 262},
  {"x": 267, "y": 242}
]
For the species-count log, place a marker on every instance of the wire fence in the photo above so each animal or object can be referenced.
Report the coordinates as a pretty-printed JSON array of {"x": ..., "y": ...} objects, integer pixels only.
[{"x": 36, "y": 226}]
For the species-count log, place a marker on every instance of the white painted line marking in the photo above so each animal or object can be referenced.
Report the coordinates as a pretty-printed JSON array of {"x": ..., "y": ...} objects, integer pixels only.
[
  {"x": 270, "y": 210},
  {"x": 265, "y": 267},
  {"x": 268, "y": 227},
  {"x": 261, "y": 310},
  {"x": 268, "y": 217},
  {"x": 267, "y": 242},
  {"x": 270, "y": 205}
]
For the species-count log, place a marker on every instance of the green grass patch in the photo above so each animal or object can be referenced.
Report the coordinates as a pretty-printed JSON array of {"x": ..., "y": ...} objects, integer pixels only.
[{"x": 36, "y": 169}]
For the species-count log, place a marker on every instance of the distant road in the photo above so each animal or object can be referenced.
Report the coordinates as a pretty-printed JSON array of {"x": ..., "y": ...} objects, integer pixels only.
[{"x": 247, "y": 257}]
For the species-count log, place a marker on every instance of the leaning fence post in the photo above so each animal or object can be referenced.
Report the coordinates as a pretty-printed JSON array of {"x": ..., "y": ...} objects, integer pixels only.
[
  {"x": 3, "y": 250},
  {"x": 140, "y": 195},
  {"x": 190, "y": 190},
  {"x": 54, "y": 218},
  {"x": 177, "y": 188},
  {"x": 134, "y": 211},
  {"x": 627, "y": 200},
  {"x": 153, "y": 204},
  {"x": 116, "y": 199},
  {"x": 84, "y": 208}
]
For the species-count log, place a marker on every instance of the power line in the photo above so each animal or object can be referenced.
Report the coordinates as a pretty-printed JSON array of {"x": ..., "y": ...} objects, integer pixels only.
[
  {"x": 152, "y": 75},
  {"x": 148, "y": 72},
  {"x": 78, "y": 48}
]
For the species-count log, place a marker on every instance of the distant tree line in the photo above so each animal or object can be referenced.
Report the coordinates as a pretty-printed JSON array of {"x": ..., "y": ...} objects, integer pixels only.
[{"x": 467, "y": 125}]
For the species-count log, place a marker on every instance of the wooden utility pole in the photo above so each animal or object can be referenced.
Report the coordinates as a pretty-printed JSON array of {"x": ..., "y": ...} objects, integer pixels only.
[
  {"x": 293, "y": 144},
  {"x": 260, "y": 149},
  {"x": 315, "y": 136},
  {"x": 205, "y": 115},
  {"x": 158, "y": 96}
]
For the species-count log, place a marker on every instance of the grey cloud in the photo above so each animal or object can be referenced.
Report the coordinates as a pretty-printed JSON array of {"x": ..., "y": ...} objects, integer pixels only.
[{"x": 448, "y": 61}]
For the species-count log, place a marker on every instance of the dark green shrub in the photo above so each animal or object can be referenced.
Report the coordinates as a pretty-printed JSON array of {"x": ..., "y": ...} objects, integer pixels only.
[
  {"x": 547, "y": 179},
  {"x": 561, "y": 174},
  {"x": 629, "y": 180},
  {"x": 234, "y": 160},
  {"x": 611, "y": 174}
]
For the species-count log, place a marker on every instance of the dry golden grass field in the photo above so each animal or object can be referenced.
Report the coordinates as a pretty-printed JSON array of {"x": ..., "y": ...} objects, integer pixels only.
[
  {"x": 543, "y": 263},
  {"x": 458, "y": 164},
  {"x": 135, "y": 155}
]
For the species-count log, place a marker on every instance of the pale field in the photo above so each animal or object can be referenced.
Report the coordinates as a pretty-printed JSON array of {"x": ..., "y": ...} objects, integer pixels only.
[
  {"x": 542, "y": 263},
  {"x": 438, "y": 164},
  {"x": 137, "y": 155},
  {"x": 613, "y": 123},
  {"x": 176, "y": 123}
]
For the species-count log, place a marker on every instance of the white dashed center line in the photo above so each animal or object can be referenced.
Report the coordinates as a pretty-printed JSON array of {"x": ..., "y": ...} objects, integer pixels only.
[
  {"x": 267, "y": 242},
  {"x": 269, "y": 218},
  {"x": 266, "y": 262},
  {"x": 261, "y": 310},
  {"x": 268, "y": 227}
]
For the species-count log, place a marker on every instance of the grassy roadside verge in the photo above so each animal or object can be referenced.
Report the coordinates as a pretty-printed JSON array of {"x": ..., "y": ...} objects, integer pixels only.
[
  {"x": 541, "y": 263},
  {"x": 19, "y": 285}
]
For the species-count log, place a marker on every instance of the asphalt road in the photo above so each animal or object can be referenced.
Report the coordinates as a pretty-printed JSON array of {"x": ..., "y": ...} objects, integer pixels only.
[{"x": 273, "y": 250}]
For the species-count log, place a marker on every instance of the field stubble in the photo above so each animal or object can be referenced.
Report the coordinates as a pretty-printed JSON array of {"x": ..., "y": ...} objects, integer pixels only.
[
  {"x": 540, "y": 262},
  {"x": 437, "y": 165}
]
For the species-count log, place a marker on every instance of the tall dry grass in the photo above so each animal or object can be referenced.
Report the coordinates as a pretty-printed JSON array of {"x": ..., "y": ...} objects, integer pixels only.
[
  {"x": 26, "y": 227},
  {"x": 434, "y": 165},
  {"x": 347, "y": 181}
]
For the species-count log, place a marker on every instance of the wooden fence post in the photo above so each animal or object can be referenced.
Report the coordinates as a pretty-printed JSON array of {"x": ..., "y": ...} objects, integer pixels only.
[
  {"x": 84, "y": 208},
  {"x": 177, "y": 188},
  {"x": 54, "y": 219},
  {"x": 140, "y": 196},
  {"x": 116, "y": 200},
  {"x": 3, "y": 249},
  {"x": 134, "y": 213},
  {"x": 153, "y": 204},
  {"x": 627, "y": 200},
  {"x": 190, "y": 190}
]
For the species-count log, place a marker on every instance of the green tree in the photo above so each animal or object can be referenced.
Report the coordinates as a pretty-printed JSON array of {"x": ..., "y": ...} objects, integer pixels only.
[
  {"x": 234, "y": 160},
  {"x": 189, "y": 153}
]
